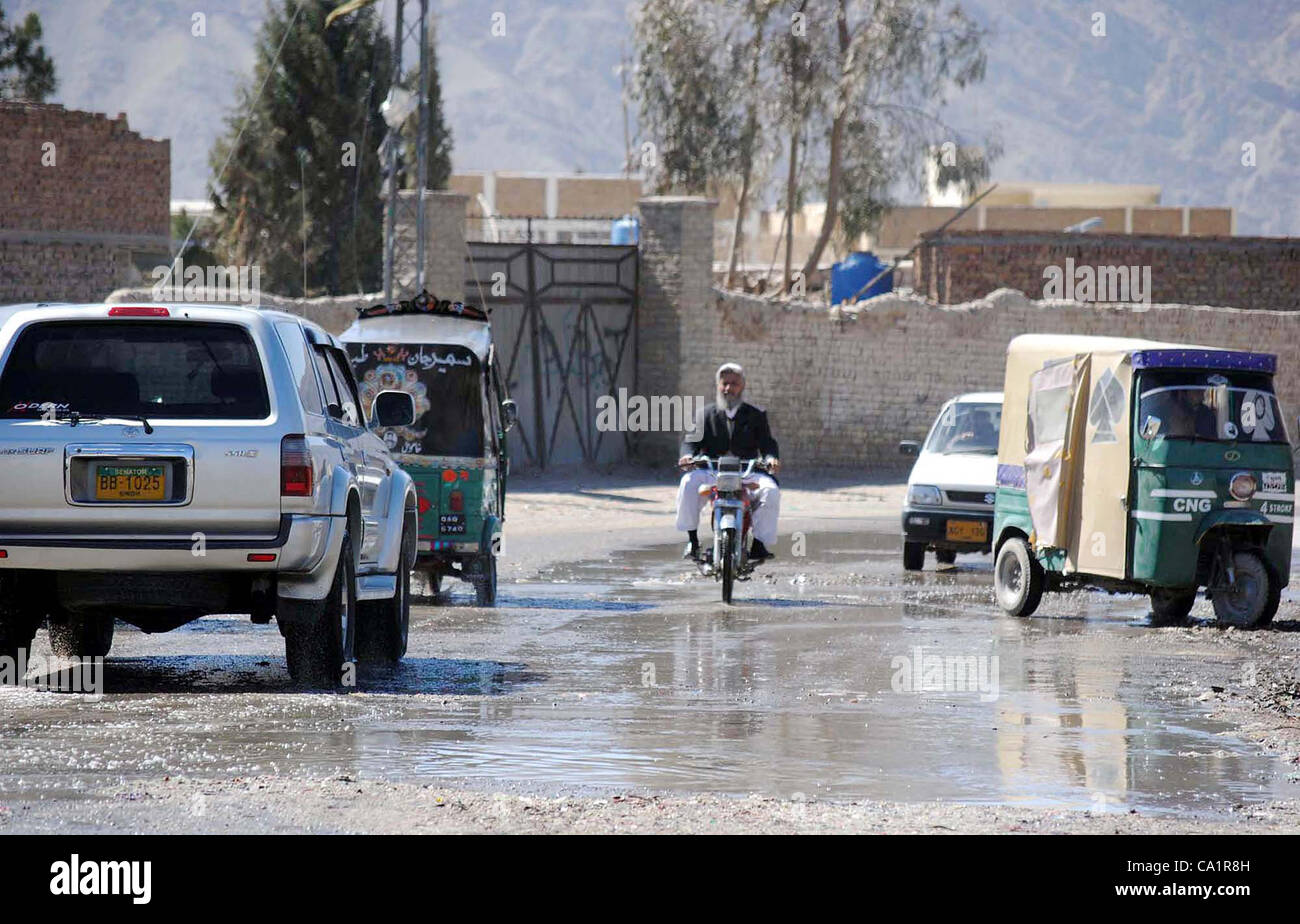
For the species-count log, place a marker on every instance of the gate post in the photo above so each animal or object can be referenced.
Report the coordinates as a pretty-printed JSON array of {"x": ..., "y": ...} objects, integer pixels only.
[
  {"x": 444, "y": 253},
  {"x": 675, "y": 280}
]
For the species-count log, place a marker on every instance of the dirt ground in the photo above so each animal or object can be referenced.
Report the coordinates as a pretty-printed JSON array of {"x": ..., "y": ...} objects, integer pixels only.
[{"x": 771, "y": 717}]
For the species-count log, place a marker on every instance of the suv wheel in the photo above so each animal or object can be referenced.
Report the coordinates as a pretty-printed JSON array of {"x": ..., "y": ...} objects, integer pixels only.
[
  {"x": 17, "y": 627},
  {"x": 319, "y": 646},
  {"x": 384, "y": 625},
  {"x": 78, "y": 635}
]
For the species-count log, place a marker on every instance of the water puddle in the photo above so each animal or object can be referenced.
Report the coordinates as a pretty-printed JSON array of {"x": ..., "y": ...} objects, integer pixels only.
[{"x": 834, "y": 675}]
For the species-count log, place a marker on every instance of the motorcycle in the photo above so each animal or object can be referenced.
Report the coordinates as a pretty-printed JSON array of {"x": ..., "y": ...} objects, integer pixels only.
[{"x": 734, "y": 502}]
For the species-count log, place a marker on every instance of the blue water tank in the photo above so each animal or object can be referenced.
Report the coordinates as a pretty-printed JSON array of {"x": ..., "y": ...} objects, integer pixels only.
[
  {"x": 624, "y": 231},
  {"x": 854, "y": 272}
]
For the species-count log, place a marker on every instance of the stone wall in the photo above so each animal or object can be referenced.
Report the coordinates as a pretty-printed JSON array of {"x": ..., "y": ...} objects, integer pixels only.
[
  {"x": 1232, "y": 272},
  {"x": 83, "y": 201}
]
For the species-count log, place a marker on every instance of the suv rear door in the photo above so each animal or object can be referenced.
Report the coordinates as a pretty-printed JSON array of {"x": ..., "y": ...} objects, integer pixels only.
[{"x": 210, "y": 464}]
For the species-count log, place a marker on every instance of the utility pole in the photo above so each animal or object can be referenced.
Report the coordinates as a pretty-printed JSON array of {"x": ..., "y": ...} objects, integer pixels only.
[{"x": 399, "y": 250}]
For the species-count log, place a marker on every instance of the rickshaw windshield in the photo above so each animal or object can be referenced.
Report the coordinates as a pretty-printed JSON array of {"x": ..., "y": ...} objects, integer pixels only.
[
  {"x": 967, "y": 427},
  {"x": 1222, "y": 406},
  {"x": 446, "y": 381}
]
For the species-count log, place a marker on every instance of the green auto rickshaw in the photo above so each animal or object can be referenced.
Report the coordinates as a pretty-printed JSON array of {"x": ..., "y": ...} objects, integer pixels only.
[
  {"x": 442, "y": 354},
  {"x": 1143, "y": 467}
]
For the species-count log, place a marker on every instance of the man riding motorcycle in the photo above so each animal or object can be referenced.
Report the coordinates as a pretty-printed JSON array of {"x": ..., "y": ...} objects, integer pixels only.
[{"x": 730, "y": 427}]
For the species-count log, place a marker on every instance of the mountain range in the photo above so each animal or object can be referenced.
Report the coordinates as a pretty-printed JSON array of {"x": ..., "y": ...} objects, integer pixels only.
[{"x": 1169, "y": 95}]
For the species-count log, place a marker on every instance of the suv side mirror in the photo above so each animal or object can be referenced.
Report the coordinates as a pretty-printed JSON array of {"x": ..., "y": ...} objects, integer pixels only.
[
  {"x": 394, "y": 409},
  {"x": 909, "y": 448},
  {"x": 509, "y": 414}
]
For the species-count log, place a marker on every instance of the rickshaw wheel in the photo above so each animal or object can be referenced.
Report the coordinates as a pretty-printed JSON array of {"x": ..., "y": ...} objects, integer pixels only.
[
  {"x": 485, "y": 581},
  {"x": 1170, "y": 607},
  {"x": 1017, "y": 578},
  {"x": 1243, "y": 606}
]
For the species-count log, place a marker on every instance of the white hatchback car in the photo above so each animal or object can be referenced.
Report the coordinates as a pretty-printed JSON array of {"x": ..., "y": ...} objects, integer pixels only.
[{"x": 953, "y": 484}]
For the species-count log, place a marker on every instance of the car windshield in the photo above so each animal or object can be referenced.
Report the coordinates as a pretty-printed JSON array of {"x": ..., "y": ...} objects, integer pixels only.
[
  {"x": 967, "y": 427},
  {"x": 446, "y": 382},
  {"x": 1223, "y": 406},
  {"x": 166, "y": 369}
]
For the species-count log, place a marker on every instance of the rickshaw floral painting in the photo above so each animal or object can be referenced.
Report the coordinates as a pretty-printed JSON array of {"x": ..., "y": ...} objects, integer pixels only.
[{"x": 392, "y": 376}]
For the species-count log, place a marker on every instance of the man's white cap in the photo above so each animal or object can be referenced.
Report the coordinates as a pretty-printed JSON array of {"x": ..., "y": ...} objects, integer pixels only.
[{"x": 729, "y": 367}]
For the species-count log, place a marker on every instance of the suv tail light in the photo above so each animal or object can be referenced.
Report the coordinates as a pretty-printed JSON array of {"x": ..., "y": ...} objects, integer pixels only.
[
  {"x": 295, "y": 467},
  {"x": 139, "y": 311}
]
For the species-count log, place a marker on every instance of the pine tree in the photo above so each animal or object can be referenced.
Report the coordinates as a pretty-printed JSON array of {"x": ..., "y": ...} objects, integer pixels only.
[
  {"x": 309, "y": 145},
  {"x": 26, "y": 71}
]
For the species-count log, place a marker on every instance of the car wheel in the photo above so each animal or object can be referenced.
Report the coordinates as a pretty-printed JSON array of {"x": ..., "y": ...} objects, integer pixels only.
[
  {"x": 1017, "y": 578},
  {"x": 319, "y": 646},
  {"x": 913, "y": 555},
  {"x": 384, "y": 625},
  {"x": 1244, "y": 604},
  {"x": 1170, "y": 607},
  {"x": 77, "y": 635},
  {"x": 945, "y": 556}
]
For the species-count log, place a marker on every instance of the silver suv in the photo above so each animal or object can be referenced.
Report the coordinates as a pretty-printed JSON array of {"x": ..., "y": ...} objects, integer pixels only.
[{"x": 164, "y": 462}]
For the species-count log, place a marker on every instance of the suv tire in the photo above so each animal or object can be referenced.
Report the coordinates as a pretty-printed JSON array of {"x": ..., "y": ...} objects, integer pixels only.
[
  {"x": 80, "y": 635},
  {"x": 384, "y": 625},
  {"x": 319, "y": 646}
]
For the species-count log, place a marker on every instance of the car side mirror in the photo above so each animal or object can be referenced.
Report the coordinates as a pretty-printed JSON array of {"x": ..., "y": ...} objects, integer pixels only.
[
  {"x": 909, "y": 448},
  {"x": 394, "y": 409},
  {"x": 509, "y": 414}
]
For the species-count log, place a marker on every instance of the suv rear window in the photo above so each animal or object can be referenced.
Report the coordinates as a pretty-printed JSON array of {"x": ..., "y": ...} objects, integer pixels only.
[{"x": 143, "y": 368}]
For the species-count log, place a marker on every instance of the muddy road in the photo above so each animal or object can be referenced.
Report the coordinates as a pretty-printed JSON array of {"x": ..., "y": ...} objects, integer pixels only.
[{"x": 611, "y": 690}]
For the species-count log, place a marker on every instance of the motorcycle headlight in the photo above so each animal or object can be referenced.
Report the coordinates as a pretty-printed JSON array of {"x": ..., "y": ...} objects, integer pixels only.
[
  {"x": 729, "y": 481},
  {"x": 924, "y": 495}
]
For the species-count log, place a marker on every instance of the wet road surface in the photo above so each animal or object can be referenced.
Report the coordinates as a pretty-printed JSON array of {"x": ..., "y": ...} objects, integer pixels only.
[{"x": 627, "y": 673}]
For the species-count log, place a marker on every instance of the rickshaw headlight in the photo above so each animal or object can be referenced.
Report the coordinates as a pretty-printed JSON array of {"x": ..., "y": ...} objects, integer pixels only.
[
  {"x": 1242, "y": 486},
  {"x": 926, "y": 495}
]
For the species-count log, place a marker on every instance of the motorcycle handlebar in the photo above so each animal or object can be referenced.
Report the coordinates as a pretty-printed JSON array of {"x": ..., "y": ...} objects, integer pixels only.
[{"x": 711, "y": 463}]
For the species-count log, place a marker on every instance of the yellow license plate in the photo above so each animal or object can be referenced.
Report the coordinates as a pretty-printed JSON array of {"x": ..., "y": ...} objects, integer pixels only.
[
  {"x": 130, "y": 483},
  {"x": 966, "y": 531}
]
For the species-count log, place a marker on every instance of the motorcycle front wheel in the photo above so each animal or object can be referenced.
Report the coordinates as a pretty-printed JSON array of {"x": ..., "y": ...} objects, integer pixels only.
[{"x": 728, "y": 563}]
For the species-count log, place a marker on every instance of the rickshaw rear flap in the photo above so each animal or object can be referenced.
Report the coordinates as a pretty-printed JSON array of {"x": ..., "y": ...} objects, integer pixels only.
[{"x": 1202, "y": 358}]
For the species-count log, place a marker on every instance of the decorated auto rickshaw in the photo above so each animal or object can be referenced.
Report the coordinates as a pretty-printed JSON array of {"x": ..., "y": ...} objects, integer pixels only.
[
  {"x": 442, "y": 354},
  {"x": 1143, "y": 467}
]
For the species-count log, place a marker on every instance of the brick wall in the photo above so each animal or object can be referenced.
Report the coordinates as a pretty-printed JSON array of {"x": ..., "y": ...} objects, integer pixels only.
[
  {"x": 77, "y": 217},
  {"x": 105, "y": 177},
  {"x": 444, "y": 255},
  {"x": 842, "y": 393},
  {"x": 1237, "y": 272},
  {"x": 843, "y": 387}
]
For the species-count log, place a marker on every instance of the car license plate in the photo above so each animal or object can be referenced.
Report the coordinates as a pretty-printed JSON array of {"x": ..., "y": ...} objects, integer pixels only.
[
  {"x": 130, "y": 482},
  {"x": 966, "y": 531},
  {"x": 452, "y": 523}
]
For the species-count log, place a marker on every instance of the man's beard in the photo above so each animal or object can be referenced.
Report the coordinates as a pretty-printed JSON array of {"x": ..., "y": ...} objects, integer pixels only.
[{"x": 727, "y": 402}]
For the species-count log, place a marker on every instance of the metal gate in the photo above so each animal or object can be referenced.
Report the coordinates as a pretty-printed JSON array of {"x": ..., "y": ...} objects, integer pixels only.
[{"x": 564, "y": 324}]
